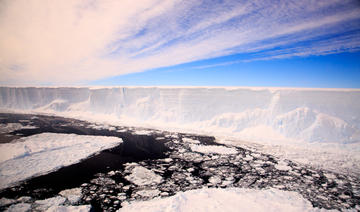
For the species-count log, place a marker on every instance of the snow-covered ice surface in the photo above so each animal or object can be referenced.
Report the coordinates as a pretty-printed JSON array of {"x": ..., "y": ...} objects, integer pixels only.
[
  {"x": 171, "y": 166},
  {"x": 141, "y": 176},
  {"x": 54, "y": 204},
  {"x": 282, "y": 166},
  {"x": 5, "y": 201},
  {"x": 311, "y": 115},
  {"x": 189, "y": 140},
  {"x": 10, "y": 127},
  {"x": 227, "y": 200},
  {"x": 42, "y": 153},
  {"x": 319, "y": 127},
  {"x": 73, "y": 195},
  {"x": 80, "y": 208},
  {"x": 341, "y": 158},
  {"x": 20, "y": 207},
  {"x": 185, "y": 170},
  {"x": 42, "y": 205},
  {"x": 213, "y": 149},
  {"x": 321, "y": 124}
]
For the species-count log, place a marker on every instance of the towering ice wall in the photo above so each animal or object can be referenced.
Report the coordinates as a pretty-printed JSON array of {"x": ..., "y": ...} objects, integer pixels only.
[{"x": 311, "y": 115}]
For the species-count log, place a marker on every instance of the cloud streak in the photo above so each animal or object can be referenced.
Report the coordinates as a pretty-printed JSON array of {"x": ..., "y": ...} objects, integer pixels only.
[{"x": 64, "y": 42}]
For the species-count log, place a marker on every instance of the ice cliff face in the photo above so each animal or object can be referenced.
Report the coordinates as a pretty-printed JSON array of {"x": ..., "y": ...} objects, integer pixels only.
[{"x": 312, "y": 115}]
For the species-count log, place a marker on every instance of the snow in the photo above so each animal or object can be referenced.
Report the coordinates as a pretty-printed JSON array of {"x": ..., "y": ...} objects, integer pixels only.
[
  {"x": 168, "y": 160},
  {"x": 11, "y": 127},
  {"x": 215, "y": 180},
  {"x": 311, "y": 115},
  {"x": 340, "y": 158},
  {"x": 148, "y": 193},
  {"x": 5, "y": 201},
  {"x": 42, "y": 153},
  {"x": 20, "y": 207},
  {"x": 142, "y": 176},
  {"x": 282, "y": 166},
  {"x": 234, "y": 199},
  {"x": 142, "y": 132},
  {"x": 57, "y": 203},
  {"x": 24, "y": 199},
  {"x": 80, "y": 208},
  {"x": 73, "y": 195},
  {"x": 213, "y": 149},
  {"x": 42, "y": 205},
  {"x": 292, "y": 122},
  {"x": 189, "y": 140}
]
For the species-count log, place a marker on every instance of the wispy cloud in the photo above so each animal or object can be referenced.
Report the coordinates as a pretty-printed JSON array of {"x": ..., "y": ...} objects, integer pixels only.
[{"x": 76, "y": 41}]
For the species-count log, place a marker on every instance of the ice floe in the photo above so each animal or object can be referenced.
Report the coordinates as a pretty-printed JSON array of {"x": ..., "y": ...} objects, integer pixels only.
[
  {"x": 62, "y": 208},
  {"x": 42, "y": 153},
  {"x": 234, "y": 199},
  {"x": 142, "y": 176},
  {"x": 73, "y": 195},
  {"x": 20, "y": 207},
  {"x": 43, "y": 205},
  {"x": 11, "y": 127},
  {"x": 206, "y": 149}
]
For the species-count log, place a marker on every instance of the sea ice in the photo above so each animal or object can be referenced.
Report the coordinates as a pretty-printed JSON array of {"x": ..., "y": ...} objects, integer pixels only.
[
  {"x": 5, "y": 201},
  {"x": 62, "y": 208},
  {"x": 282, "y": 166},
  {"x": 227, "y": 200},
  {"x": 11, "y": 127},
  {"x": 142, "y": 176},
  {"x": 42, "y": 153},
  {"x": 189, "y": 140},
  {"x": 300, "y": 120},
  {"x": 73, "y": 195},
  {"x": 43, "y": 205},
  {"x": 213, "y": 149},
  {"x": 20, "y": 207}
]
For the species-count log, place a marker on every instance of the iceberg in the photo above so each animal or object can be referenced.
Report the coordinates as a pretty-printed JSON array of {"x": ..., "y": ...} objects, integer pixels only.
[{"x": 307, "y": 115}]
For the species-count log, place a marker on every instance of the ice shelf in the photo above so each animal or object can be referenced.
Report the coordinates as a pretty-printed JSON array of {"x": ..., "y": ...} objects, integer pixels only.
[{"x": 310, "y": 115}]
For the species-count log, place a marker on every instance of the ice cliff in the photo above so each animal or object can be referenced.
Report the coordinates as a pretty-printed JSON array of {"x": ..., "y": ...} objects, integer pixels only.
[{"x": 311, "y": 115}]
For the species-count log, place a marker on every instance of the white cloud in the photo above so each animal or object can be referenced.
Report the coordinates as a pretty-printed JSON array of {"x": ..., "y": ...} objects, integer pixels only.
[{"x": 75, "y": 41}]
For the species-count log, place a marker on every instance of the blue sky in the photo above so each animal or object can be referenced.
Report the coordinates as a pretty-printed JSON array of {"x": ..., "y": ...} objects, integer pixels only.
[
  {"x": 328, "y": 71},
  {"x": 278, "y": 43}
]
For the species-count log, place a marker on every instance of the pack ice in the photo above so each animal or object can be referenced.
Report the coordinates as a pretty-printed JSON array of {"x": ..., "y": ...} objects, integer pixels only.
[{"x": 310, "y": 115}]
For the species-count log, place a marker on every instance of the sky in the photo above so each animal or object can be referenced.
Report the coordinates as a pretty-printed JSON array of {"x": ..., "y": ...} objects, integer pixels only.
[{"x": 279, "y": 43}]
